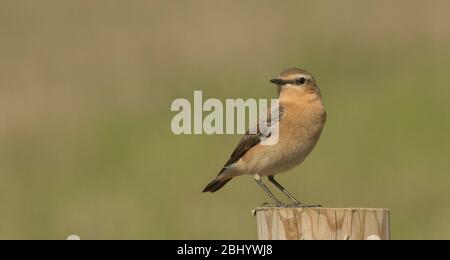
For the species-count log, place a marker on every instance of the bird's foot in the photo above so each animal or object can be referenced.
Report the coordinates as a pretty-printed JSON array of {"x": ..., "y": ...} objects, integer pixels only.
[
  {"x": 278, "y": 204},
  {"x": 302, "y": 205},
  {"x": 275, "y": 204}
]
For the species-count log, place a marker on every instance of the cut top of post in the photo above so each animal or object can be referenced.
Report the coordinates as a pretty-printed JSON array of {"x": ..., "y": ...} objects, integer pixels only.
[{"x": 297, "y": 223}]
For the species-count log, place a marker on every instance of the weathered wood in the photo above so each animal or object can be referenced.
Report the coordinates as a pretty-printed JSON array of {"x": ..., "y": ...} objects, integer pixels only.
[{"x": 322, "y": 223}]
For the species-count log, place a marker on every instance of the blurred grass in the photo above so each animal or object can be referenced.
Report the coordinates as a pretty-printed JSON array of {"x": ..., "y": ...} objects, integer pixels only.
[{"x": 86, "y": 88}]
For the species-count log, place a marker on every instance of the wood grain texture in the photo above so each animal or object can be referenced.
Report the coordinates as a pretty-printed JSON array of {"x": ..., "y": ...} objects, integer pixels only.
[{"x": 322, "y": 223}]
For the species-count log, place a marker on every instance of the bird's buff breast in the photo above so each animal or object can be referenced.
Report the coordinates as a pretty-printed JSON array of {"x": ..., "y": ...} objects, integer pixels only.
[{"x": 298, "y": 135}]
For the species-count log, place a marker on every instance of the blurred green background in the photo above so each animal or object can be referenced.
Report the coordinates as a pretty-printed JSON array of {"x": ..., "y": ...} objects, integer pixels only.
[{"x": 85, "y": 94}]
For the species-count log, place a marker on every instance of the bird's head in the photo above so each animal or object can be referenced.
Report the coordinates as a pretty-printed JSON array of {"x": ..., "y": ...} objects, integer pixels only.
[{"x": 296, "y": 82}]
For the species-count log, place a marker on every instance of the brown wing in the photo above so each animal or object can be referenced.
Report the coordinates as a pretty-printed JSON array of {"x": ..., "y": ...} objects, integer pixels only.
[{"x": 250, "y": 140}]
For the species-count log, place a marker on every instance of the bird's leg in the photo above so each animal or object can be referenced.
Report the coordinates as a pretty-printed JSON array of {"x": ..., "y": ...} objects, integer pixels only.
[
  {"x": 258, "y": 180},
  {"x": 296, "y": 202},
  {"x": 289, "y": 195}
]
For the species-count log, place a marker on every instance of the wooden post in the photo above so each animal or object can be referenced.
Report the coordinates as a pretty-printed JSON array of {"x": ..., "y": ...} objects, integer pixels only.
[{"x": 322, "y": 223}]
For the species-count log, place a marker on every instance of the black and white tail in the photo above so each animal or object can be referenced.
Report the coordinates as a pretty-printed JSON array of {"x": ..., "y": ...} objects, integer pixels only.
[{"x": 216, "y": 184}]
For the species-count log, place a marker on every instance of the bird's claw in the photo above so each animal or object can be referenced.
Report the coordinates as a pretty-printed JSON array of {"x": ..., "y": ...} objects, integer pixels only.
[
  {"x": 301, "y": 205},
  {"x": 278, "y": 204},
  {"x": 275, "y": 204}
]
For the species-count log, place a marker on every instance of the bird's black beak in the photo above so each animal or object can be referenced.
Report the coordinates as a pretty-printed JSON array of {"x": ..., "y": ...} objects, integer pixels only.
[{"x": 277, "y": 81}]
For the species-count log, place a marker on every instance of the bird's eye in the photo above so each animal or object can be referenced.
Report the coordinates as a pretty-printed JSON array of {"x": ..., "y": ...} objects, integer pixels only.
[{"x": 301, "y": 81}]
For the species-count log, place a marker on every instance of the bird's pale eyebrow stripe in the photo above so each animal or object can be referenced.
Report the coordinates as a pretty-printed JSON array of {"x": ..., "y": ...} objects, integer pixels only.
[
  {"x": 292, "y": 79},
  {"x": 306, "y": 76}
]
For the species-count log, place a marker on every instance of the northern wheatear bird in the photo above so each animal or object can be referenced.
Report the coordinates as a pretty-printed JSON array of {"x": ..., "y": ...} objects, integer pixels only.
[{"x": 300, "y": 123}]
